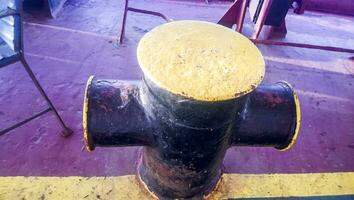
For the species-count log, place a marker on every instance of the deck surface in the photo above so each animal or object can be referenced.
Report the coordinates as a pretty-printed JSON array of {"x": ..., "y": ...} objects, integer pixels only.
[
  {"x": 317, "y": 186},
  {"x": 82, "y": 41}
]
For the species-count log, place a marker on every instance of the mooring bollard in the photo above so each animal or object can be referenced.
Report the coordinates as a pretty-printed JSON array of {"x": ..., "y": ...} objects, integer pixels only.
[{"x": 199, "y": 95}]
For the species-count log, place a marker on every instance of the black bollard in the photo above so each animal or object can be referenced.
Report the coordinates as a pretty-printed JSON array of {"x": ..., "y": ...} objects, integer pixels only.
[{"x": 185, "y": 131}]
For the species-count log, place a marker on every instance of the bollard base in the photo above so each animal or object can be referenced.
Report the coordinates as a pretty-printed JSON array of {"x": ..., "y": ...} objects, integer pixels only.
[{"x": 162, "y": 182}]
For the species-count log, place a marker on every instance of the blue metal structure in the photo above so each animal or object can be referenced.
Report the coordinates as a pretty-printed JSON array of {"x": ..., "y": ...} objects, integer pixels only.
[{"x": 10, "y": 32}]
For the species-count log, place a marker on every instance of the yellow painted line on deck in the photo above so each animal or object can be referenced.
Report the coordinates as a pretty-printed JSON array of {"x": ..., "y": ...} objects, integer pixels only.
[
  {"x": 127, "y": 187},
  {"x": 52, "y": 58},
  {"x": 284, "y": 185},
  {"x": 59, "y": 28}
]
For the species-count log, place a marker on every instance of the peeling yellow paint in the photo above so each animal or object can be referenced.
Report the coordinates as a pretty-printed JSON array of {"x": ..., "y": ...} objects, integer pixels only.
[
  {"x": 84, "y": 116},
  {"x": 284, "y": 185},
  {"x": 298, "y": 118},
  {"x": 200, "y": 60},
  {"x": 128, "y": 187}
]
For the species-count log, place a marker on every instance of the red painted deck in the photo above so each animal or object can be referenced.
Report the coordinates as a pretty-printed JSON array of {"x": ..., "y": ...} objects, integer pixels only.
[
  {"x": 345, "y": 7},
  {"x": 81, "y": 41}
]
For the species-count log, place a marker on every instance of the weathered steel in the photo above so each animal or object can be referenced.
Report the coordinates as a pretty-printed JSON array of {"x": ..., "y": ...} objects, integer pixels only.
[
  {"x": 183, "y": 151},
  {"x": 198, "y": 97}
]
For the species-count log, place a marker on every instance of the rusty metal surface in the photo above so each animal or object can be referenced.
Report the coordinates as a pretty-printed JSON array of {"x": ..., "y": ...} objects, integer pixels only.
[
  {"x": 184, "y": 140},
  {"x": 114, "y": 115},
  {"x": 269, "y": 117}
]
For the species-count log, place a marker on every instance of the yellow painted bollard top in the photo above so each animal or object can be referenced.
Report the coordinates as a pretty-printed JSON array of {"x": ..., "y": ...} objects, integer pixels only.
[{"x": 200, "y": 60}]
